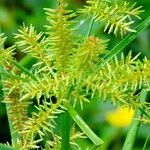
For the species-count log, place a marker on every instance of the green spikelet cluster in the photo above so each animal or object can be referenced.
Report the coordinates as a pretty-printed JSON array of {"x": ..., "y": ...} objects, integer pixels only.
[
  {"x": 39, "y": 123},
  {"x": 67, "y": 69},
  {"x": 60, "y": 36},
  {"x": 116, "y": 15},
  {"x": 118, "y": 80},
  {"x": 23, "y": 87},
  {"x": 31, "y": 42},
  {"x": 89, "y": 53}
]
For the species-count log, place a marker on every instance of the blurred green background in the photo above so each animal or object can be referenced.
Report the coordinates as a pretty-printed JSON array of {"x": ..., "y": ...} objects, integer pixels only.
[{"x": 14, "y": 13}]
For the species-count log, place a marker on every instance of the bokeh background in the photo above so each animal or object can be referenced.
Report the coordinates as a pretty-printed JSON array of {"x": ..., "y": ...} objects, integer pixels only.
[{"x": 109, "y": 122}]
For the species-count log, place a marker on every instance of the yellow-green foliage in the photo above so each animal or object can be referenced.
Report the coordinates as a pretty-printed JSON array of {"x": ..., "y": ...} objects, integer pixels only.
[
  {"x": 117, "y": 15},
  {"x": 68, "y": 69}
]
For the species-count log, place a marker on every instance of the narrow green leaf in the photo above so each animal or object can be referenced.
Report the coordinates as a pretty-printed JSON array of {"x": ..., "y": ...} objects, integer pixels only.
[
  {"x": 146, "y": 141},
  {"x": 24, "y": 70},
  {"x": 84, "y": 127},
  {"x": 65, "y": 131},
  {"x": 144, "y": 112},
  {"x": 27, "y": 61},
  {"x": 128, "y": 39},
  {"x": 134, "y": 128}
]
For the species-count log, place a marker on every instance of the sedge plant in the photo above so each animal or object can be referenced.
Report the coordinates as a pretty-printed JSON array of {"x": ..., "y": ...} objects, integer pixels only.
[{"x": 63, "y": 69}]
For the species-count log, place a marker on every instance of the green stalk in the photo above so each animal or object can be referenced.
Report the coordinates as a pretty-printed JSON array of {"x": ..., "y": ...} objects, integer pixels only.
[
  {"x": 134, "y": 128},
  {"x": 128, "y": 39},
  {"x": 144, "y": 147},
  {"x": 84, "y": 127},
  {"x": 66, "y": 125},
  {"x": 24, "y": 70},
  {"x": 65, "y": 131}
]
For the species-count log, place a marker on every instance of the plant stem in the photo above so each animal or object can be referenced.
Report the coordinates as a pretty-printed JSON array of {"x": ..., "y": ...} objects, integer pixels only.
[
  {"x": 65, "y": 131},
  {"x": 135, "y": 125},
  {"x": 144, "y": 147},
  {"x": 84, "y": 127},
  {"x": 66, "y": 125},
  {"x": 24, "y": 70}
]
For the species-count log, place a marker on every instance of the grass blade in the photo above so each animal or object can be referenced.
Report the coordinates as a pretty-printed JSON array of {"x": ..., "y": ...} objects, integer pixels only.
[
  {"x": 65, "y": 130},
  {"x": 135, "y": 125},
  {"x": 128, "y": 39},
  {"x": 144, "y": 147},
  {"x": 84, "y": 127},
  {"x": 24, "y": 70}
]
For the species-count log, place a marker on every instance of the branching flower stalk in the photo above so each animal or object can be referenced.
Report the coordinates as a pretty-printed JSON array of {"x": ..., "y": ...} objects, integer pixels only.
[{"x": 69, "y": 71}]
